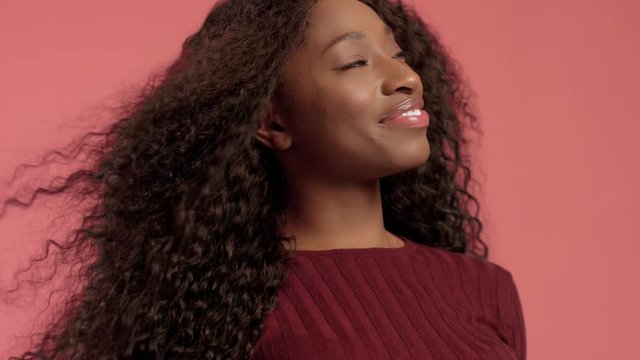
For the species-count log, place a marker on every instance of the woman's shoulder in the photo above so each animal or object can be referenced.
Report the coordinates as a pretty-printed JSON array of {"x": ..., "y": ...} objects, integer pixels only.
[
  {"x": 486, "y": 284},
  {"x": 465, "y": 264}
]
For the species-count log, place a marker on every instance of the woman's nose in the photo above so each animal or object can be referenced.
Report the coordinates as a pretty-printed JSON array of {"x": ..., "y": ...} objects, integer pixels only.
[{"x": 398, "y": 76}]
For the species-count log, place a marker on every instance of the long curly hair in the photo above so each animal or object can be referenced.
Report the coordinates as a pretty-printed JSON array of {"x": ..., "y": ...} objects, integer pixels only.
[{"x": 186, "y": 207}]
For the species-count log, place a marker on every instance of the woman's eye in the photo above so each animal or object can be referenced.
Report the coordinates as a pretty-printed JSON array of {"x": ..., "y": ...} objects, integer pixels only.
[
  {"x": 399, "y": 54},
  {"x": 354, "y": 64}
]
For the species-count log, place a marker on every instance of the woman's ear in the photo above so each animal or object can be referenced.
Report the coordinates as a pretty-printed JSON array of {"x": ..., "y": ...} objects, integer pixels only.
[{"x": 272, "y": 131}]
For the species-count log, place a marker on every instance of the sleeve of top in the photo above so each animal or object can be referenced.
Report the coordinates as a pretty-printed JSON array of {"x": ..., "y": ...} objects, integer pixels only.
[{"x": 510, "y": 316}]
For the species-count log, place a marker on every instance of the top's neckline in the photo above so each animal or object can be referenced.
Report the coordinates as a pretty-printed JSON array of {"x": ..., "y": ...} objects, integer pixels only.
[{"x": 407, "y": 248}]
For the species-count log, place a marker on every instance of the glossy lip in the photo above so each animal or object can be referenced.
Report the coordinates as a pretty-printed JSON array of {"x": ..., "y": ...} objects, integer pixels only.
[{"x": 407, "y": 105}]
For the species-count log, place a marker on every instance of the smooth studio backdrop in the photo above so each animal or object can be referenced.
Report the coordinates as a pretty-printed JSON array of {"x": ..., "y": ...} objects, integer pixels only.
[{"x": 556, "y": 86}]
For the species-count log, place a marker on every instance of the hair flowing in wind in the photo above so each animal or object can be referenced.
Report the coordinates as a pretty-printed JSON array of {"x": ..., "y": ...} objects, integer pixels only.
[{"x": 186, "y": 206}]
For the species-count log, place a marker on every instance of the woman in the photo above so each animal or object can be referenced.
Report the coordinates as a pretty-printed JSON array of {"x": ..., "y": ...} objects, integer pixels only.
[{"x": 290, "y": 189}]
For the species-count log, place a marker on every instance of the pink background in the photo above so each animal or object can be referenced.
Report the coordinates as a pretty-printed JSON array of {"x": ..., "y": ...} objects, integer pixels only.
[{"x": 556, "y": 84}]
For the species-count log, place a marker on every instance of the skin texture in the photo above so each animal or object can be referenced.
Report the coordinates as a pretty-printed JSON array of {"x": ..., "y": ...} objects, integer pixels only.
[{"x": 326, "y": 134}]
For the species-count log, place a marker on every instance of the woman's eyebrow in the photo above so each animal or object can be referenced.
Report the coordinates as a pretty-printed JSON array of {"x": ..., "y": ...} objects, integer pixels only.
[{"x": 352, "y": 35}]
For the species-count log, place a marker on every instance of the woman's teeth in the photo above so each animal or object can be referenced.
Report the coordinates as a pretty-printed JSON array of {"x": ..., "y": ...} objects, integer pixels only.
[{"x": 412, "y": 113}]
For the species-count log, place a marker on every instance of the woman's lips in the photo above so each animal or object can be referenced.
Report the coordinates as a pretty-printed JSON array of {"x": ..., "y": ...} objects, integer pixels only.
[
  {"x": 408, "y": 107},
  {"x": 416, "y": 118}
]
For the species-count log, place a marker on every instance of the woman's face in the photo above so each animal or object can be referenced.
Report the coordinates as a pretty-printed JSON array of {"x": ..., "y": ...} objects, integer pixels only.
[{"x": 336, "y": 93}]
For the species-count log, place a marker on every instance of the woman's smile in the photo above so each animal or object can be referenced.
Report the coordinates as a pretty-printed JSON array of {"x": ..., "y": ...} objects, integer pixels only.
[{"x": 411, "y": 119}]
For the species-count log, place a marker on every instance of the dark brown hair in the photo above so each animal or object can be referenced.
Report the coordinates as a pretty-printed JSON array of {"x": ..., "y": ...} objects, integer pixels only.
[{"x": 186, "y": 205}]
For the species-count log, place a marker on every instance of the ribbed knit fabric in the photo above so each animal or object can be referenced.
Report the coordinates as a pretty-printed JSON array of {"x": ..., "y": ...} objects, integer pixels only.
[{"x": 413, "y": 302}]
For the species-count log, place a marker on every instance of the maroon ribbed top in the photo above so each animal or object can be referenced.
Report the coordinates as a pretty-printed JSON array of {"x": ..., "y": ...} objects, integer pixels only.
[{"x": 413, "y": 302}]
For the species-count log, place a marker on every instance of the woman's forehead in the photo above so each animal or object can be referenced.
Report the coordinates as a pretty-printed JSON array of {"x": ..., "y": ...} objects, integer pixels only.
[{"x": 331, "y": 21}]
